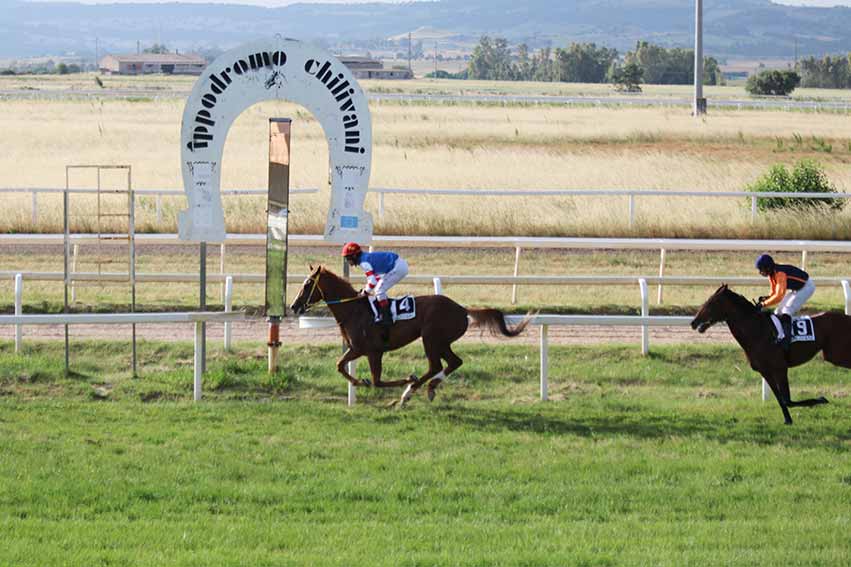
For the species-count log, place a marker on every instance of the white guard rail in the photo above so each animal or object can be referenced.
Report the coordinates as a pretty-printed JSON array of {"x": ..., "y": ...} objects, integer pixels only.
[
  {"x": 134, "y": 318},
  {"x": 631, "y": 194},
  {"x": 157, "y": 194}
]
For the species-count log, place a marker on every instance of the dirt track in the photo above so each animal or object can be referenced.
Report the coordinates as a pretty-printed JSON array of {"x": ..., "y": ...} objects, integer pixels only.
[{"x": 256, "y": 331}]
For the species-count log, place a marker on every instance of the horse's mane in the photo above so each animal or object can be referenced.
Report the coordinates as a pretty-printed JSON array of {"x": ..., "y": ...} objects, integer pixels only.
[
  {"x": 342, "y": 283},
  {"x": 740, "y": 301}
]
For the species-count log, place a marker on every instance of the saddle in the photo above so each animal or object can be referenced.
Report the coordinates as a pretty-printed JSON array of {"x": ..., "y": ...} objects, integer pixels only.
[{"x": 401, "y": 308}]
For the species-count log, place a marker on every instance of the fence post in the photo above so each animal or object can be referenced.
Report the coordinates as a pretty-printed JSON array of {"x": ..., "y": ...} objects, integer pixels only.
[
  {"x": 516, "y": 271},
  {"x": 645, "y": 310},
  {"x": 631, "y": 209},
  {"x": 846, "y": 289},
  {"x": 199, "y": 363},
  {"x": 19, "y": 300},
  {"x": 438, "y": 286},
  {"x": 228, "y": 309},
  {"x": 753, "y": 210},
  {"x": 544, "y": 363},
  {"x": 661, "y": 275},
  {"x": 381, "y": 205},
  {"x": 74, "y": 254},
  {"x": 352, "y": 395},
  {"x": 159, "y": 201},
  {"x": 35, "y": 209},
  {"x": 222, "y": 269},
  {"x": 803, "y": 259},
  {"x": 766, "y": 390}
]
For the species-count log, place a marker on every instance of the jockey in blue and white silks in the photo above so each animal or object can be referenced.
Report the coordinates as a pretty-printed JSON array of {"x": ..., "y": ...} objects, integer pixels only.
[{"x": 383, "y": 270}]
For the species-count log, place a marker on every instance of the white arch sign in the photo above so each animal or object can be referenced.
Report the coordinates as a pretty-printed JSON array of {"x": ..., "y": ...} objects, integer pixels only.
[{"x": 276, "y": 69}]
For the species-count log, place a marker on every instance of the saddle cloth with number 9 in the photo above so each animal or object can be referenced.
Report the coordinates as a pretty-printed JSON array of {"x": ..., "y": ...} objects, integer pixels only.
[
  {"x": 402, "y": 308},
  {"x": 803, "y": 330}
]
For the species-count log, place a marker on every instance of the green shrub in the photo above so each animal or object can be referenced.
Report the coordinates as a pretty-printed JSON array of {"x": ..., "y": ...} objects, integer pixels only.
[
  {"x": 806, "y": 177},
  {"x": 773, "y": 83}
]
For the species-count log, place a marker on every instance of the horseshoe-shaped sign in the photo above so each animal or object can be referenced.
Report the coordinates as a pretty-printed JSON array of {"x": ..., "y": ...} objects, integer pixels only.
[{"x": 276, "y": 69}]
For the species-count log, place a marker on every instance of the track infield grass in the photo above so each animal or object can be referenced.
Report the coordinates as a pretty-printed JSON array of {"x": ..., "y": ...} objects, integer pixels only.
[{"x": 665, "y": 460}]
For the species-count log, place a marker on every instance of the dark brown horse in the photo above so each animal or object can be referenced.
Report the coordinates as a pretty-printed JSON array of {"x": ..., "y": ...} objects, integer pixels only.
[
  {"x": 753, "y": 330},
  {"x": 439, "y": 321}
]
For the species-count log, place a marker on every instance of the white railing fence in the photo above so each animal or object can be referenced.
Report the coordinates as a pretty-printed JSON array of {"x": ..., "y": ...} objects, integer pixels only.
[
  {"x": 632, "y": 195},
  {"x": 157, "y": 194},
  {"x": 130, "y": 319}
]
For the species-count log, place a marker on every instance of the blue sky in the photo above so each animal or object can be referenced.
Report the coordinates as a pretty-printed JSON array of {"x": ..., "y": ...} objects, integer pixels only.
[{"x": 275, "y": 3}]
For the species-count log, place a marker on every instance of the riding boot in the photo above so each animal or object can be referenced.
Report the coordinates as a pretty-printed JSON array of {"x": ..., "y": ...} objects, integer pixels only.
[
  {"x": 386, "y": 318},
  {"x": 786, "y": 323}
]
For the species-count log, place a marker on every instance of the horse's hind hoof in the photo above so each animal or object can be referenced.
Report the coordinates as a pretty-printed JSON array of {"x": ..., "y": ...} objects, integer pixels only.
[
  {"x": 406, "y": 395},
  {"x": 823, "y": 400}
]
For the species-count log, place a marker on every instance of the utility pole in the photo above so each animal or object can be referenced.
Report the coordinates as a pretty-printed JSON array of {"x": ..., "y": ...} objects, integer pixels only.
[
  {"x": 435, "y": 59},
  {"x": 699, "y": 100}
]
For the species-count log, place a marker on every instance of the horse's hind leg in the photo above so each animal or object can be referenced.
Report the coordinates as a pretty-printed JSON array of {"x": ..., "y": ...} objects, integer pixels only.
[
  {"x": 435, "y": 367},
  {"x": 784, "y": 389},
  {"x": 453, "y": 362}
]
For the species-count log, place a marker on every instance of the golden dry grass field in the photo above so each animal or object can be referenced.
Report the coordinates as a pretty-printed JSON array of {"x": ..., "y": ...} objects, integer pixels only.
[{"x": 442, "y": 146}]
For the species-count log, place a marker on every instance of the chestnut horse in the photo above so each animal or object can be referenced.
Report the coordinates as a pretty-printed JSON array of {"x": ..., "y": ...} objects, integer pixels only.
[
  {"x": 439, "y": 321},
  {"x": 753, "y": 330}
]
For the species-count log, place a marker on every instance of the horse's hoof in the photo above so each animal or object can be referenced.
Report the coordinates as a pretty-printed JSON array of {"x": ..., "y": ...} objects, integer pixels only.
[
  {"x": 406, "y": 395},
  {"x": 413, "y": 378},
  {"x": 365, "y": 382},
  {"x": 432, "y": 388},
  {"x": 787, "y": 422},
  {"x": 392, "y": 404},
  {"x": 823, "y": 400}
]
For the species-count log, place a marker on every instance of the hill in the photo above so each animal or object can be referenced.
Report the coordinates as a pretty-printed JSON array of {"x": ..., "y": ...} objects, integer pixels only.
[{"x": 740, "y": 27}]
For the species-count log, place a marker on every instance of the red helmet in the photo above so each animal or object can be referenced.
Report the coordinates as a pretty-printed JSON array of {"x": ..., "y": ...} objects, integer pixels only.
[{"x": 350, "y": 248}]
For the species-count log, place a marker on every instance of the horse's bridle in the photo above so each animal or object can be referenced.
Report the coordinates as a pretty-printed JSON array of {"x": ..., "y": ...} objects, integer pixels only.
[{"x": 315, "y": 282}]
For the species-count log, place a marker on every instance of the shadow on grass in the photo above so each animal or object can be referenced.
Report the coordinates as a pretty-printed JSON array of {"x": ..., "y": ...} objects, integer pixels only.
[{"x": 645, "y": 423}]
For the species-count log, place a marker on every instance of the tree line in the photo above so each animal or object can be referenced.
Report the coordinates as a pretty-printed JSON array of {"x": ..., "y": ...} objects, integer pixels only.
[
  {"x": 494, "y": 59},
  {"x": 829, "y": 72}
]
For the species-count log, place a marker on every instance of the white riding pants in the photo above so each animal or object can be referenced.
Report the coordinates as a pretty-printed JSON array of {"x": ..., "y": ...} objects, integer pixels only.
[
  {"x": 391, "y": 278},
  {"x": 794, "y": 300}
]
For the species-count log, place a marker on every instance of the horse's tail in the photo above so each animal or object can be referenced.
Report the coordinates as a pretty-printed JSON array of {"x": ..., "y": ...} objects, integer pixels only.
[{"x": 494, "y": 321}]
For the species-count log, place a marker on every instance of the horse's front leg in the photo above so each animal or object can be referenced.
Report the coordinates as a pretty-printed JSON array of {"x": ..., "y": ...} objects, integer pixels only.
[
  {"x": 347, "y": 357},
  {"x": 773, "y": 383},
  {"x": 375, "y": 370}
]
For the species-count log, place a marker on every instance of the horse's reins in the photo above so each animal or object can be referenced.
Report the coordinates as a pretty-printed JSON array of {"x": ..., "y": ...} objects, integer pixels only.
[{"x": 322, "y": 295}]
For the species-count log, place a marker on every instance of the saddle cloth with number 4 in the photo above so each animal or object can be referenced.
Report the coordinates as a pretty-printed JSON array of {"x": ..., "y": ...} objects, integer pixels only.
[{"x": 402, "y": 308}]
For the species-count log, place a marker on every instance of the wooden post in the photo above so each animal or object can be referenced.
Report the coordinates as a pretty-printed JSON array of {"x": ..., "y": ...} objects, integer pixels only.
[{"x": 276, "y": 232}]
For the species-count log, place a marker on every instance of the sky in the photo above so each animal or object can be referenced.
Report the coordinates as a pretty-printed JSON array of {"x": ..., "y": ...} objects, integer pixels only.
[
  {"x": 266, "y": 3},
  {"x": 278, "y": 3}
]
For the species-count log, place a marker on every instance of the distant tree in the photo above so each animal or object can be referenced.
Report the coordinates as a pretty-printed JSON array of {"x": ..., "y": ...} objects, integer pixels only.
[
  {"x": 672, "y": 66},
  {"x": 491, "y": 60},
  {"x": 7, "y": 71},
  {"x": 156, "y": 48},
  {"x": 627, "y": 78},
  {"x": 62, "y": 69},
  {"x": 584, "y": 63},
  {"x": 524, "y": 63},
  {"x": 830, "y": 72},
  {"x": 773, "y": 82}
]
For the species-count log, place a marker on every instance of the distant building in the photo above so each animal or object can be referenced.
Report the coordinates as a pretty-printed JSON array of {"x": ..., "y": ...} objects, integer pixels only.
[
  {"x": 148, "y": 63},
  {"x": 366, "y": 68}
]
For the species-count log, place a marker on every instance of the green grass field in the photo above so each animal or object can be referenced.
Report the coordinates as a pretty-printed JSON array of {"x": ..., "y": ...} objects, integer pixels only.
[{"x": 665, "y": 460}]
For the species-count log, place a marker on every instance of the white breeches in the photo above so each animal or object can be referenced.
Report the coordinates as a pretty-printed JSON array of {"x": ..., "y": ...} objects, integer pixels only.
[
  {"x": 794, "y": 300},
  {"x": 391, "y": 278}
]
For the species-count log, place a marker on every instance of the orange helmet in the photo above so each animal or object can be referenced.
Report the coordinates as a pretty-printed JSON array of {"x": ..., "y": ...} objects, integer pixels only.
[{"x": 350, "y": 248}]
